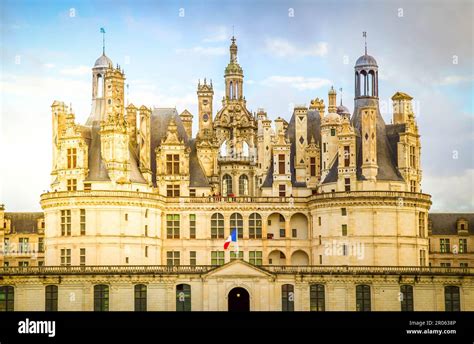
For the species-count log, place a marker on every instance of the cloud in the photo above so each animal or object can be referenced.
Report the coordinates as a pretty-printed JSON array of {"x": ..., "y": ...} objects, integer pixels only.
[
  {"x": 451, "y": 194},
  {"x": 49, "y": 65},
  {"x": 200, "y": 50},
  {"x": 299, "y": 82},
  {"x": 453, "y": 79},
  {"x": 76, "y": 71},
  {"x": 283, "y": 48},
  {"x": 220, "y": 34}
]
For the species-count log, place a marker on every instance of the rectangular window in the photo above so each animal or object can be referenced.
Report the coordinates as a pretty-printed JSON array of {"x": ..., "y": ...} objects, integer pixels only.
[
  {"x": 317, "y": 298},
  {"x": 343, "y": 211},
  {"x": 452, "y": 299},
  {"x": 172, "y": 258},
  {"x": 65, "y": 256},
  {"x": 192, "y": 226},
  {"x": 23, "y": 245},
  {"x": 319, "y": 220},
  {"x": 71, "y": 158},
  {"x": 146, "y": 230},
  {"x": 172, "y": 190},
  {"x": 126, "y": 217},
  {"x": 347, "y": 156},
  {"x": 41, "y": 245},
  {"x": 282, "y": 233},
  {"x": 320, "y": 259},
  {"x": 347, "y": 184},
  {"x": 444, "y": 246},
  {"x": 287, "y": 298},
  {"x": 217, "y": 226},
  {"x": 324, "y": 147},
  {"x": 71, "y": 184},
  {"x": 234, "y": 256},
  {"x": 294, "y": 233},
  {"x": 172, "y": 226},
  {"x": 463, "y": 265},
  {"x": 445, "y": 265},
  {"x": 312, "y": 166},
  {"x": 421, "y": 224},
  {"x": 192, "y": 258},
  {"x": 7, "y": 297},
  {"x": 146, "y": 251},
  {"x": 87, "y": 187},
  {"x": 217, "y": 258},
  {"x": 82, "y": 221},
  {"x": 344, "y": 230},
  {"x": 192, "y": 192},
  {"x": 255, "y": 257},
  {"x": 363, "y": 298},
  {"x": 413, "y": 185},
  {"x": 172, "y": 164},
  {"x": 255, "y": 226},
  {"x": 140, "y": 298},
  {"x": 412, "y": 157},
  {"x": 422, "y": 257},
  {"x": 406, "y": 298},
  {"x": 344, "y": 250},
  {"x": 462, "y": 245},
  {"x": 333, "y": 132},
  {"x": 51, "y": 298},
  {"x": 40, "y": 262},
  {"x": 281, "y": 163},
  {"x": 23, "y": 264},
  {"x": 282, "y": 190},
  {"x": 82, "y": 256}
]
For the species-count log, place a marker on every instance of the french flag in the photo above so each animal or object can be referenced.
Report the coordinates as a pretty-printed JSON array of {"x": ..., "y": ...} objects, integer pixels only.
[{"x": 231, "y": 238}]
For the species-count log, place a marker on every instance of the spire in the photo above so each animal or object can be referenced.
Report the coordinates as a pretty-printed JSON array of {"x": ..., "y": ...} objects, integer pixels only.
[
  {"x": 364, "y": 34},
  {"x": 341, "y": 95},
  {"x": 102, "y": 31},
  {"x": 233, "y": 51}
]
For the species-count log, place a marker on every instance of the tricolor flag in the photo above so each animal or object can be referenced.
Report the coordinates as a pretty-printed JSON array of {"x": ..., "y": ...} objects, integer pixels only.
[
  {"x": 232, "y": 238},
  {"x": 102, "y": 30}
]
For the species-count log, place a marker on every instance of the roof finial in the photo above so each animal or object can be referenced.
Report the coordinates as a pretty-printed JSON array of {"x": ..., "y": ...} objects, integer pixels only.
[
  {"x": 102, "y": 31},
  {"x": 341, "y": 95},
  {"x": 364, "y": 34}
]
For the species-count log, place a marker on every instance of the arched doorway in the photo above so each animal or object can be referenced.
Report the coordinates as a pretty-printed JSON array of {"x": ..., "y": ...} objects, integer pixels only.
[{"x": 238, "y": 300}]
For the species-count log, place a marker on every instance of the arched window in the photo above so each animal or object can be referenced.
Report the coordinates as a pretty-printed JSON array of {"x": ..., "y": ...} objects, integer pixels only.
[
  {"x": 243, "y": 185},
  {"x": 363, "y": 83},
  {"x": 7, "y": 297},
  {"x": 51, "y": 298},
  {"x": 217, "y": 226},
  {"x": 245, "y": 149},
  {"x": 237, "y": 222},
  {"x": 227, "y": 185},
  {"x": 183, "y": 298},
  {"x": 100, "y": 86},
  {"x": 363, "y": 298},
  {"x": 287, "y": 298},
  {"x": 452, "y": 299},
  {"x": 255, "y": 226},
  {"x": 236, "y": 94},
  {"x": 370, "y": 83},
  {"x": 140, "y": 298},
  {"x": 316, "y": 298},
  {"x": 231, "y": 90},
  {"x": 406, "y": 298},
  {"x": 101, "y": 298},
  {"x": 356, "y": 86}
]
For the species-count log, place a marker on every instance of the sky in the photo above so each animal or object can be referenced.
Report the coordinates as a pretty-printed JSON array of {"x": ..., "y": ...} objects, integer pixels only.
[{"x": 291, "y": 52}]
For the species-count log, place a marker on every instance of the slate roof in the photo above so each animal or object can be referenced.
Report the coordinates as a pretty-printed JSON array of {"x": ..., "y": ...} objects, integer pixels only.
[
  {"x": 24, "y": 222},
  {"x": 445, "y": 223}
]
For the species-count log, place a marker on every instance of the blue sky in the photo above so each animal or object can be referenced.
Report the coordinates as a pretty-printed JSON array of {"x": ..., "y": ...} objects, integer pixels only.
[{"x": 291, "y": 52}]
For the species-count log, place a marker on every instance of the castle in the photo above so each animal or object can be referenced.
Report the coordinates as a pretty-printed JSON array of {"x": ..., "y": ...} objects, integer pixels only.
[{"x": 134, "y": 187}]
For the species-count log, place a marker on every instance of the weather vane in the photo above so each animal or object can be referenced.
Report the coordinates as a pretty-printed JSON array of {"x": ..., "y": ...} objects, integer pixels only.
[
  {"x": 364, "y": 34},
  {"x": 102, "y": 31}
]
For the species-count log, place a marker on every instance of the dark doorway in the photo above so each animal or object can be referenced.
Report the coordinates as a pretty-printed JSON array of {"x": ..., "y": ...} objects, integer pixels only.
[{"x": 239, "y": 300}]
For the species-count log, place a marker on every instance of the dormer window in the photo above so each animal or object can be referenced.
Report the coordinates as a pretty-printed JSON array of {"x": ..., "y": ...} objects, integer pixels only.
[
  {"x": 172, "y": 164},
  {"x": 462, "y": 225}
]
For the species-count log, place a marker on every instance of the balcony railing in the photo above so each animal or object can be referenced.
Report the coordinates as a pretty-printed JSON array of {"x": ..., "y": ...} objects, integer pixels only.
[
  {"x": 235, "y": 158},
  {"x": 398, "y": 195},
  {"x": 202, "y": 269}
]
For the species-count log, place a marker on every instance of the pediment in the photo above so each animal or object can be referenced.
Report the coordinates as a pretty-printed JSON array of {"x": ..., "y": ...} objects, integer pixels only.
[{"x": 238, "y": 268}]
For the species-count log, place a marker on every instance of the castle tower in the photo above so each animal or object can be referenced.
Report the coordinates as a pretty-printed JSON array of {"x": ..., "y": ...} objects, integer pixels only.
[
  {"x": 301, "y": 141},
  {"x": 281, "y": 161},
  {"x": 144, "y": 143},
  {"x": 59, "y": 111},
  {"x": 369, "y": 142},
  {"x": 205, "y": 93},
  {"x": 402, "y": 108},
  {"x": 113, "y": 133},
  {"x": 346, "y": 174},
  {"x": 332, "y": 107},
  {"x": 187, "y": 119},
  {"x": 132, "y": 124},
  {"x": 329, "y": 142},
  {"x": 234, "y": 75}
]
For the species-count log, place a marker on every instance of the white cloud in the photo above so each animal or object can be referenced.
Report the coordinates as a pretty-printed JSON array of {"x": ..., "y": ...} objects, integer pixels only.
[
  {"x": 200, "y": 50},
  {"x": 76, "y": 71},
  {"x": 283, "y": 48},
  {"x": 451, "y": 193},
  {"x": 453, "y": 79},
  {"x": 49, "y": 65},
  {"x": 299, "y": 82},
  {"x": 220, "y": 34}
]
